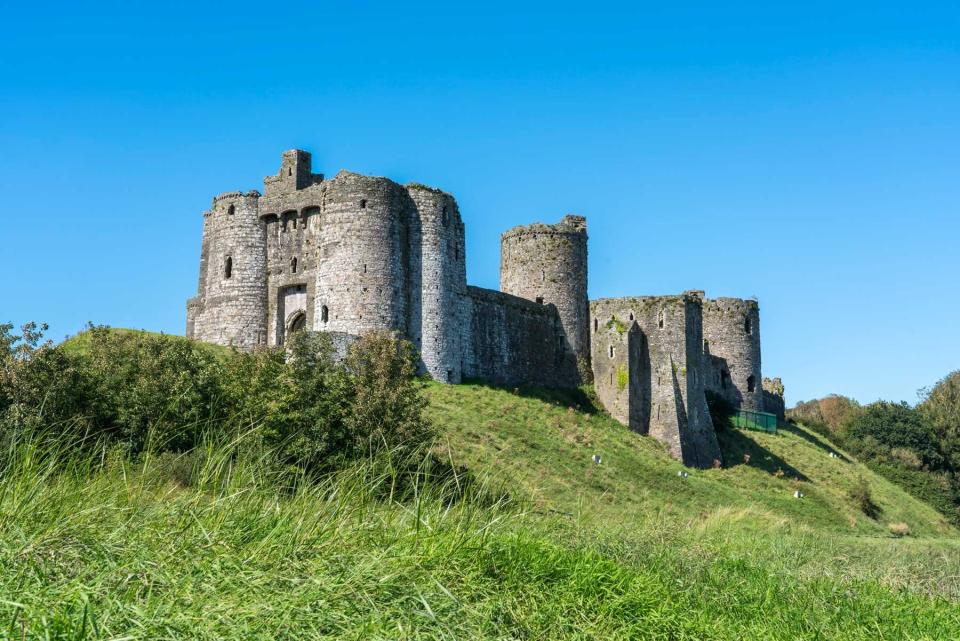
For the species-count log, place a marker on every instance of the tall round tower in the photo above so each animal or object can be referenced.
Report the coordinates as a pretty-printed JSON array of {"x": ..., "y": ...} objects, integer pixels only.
[
  {"x": 731, "y": 342},
  {"x": 438, "y": 281},
  {"x": 231, "y": 305},
  {"x": 548, "y": 264},
  {"x": 361, "y": 277}
]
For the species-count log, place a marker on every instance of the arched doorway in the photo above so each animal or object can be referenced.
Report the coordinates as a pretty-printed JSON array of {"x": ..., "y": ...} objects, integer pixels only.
[{"x": 296, "y": 322}]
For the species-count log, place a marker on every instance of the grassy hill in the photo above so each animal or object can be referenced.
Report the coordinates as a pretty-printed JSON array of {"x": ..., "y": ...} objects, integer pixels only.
[{"x": 542, "y": 544}]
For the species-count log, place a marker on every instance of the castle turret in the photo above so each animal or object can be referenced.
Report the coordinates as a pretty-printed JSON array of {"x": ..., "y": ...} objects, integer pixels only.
[
  {"x": 438, "y": 281},
  {"x": 361, "y": 275},
  {"x": 231, "y": 303},
  {"x": 548, "y": 264},
  {"x": 731, "y": 344}
]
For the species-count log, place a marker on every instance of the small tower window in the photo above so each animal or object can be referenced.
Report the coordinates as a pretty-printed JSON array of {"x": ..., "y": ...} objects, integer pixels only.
[
  {"x": 363, "y": 204},
  {"x": 612, "y": 351},
  {"x": 596, "y": 324},
  {"x": 660, "y": 319},
  {"x": 230, "y": 210},
  {"x": 228, "y": 267},
  {"x": 543, "y": 275},
  {"x": 747, "y": 325},
  {"x": 751, "y": 383},
  {"x": 540, "y": 300},
  {"x": 444, "y": 218},
  {"x": 324, "y": 314},
  {"x": 289, "y": 171},
  {"x": 293, "y": 265}
]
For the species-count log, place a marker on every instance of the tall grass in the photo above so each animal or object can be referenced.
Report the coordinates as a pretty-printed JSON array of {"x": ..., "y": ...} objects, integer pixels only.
[{"x": 224, "y": 542}]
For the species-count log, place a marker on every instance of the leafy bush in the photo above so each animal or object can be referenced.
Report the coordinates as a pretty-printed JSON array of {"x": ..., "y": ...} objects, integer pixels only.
[
  {"x": 152, "y": 390},
  {"x": 893, "y": 425},
  {"x": 940, "y": 406},
  {"x": 863, "y": 499},
  {"x": 163, "y": 393}
]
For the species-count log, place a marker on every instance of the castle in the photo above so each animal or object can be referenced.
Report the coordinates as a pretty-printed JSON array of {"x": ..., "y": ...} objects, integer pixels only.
[{"x": 355, "y": 253}]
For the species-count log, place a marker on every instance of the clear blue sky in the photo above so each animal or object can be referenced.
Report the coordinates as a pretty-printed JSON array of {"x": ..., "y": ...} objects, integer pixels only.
[{"x": 808, "y": 155}]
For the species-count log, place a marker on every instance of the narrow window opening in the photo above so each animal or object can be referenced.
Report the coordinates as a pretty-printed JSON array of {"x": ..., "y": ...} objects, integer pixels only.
[
  {"x": 612, "y": 351},
  {"x": 747, "y": 325},
  {"x": 751, "y": 383},
  {"x": 540, "y": 300},
  {"x": 230, "y": 210},
  {"x": 543, "y": 275},
  {"x": 289, "y": 171},
  {"x": 363, "y": 204},
  {"x": 660, "y": 319},
  {"x": 293, "y": 265},
  {"x": 611, "y": 379},
  {"x": 444, "y": 218},
  {"x": 364, "y": 268},
  {"x": 324, "y": 314},
  {"x": 228, "y": 267},
  {"x": 596, "y": 324},
  {"x": 631, "y": 315}
]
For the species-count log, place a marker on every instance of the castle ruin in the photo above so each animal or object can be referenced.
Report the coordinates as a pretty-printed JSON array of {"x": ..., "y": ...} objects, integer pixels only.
[{"x": 354, "y": 254}]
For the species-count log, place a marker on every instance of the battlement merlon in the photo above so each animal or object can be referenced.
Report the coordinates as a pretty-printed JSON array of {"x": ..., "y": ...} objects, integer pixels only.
[
  {"x": 569, "y": 224},
  {"x": 295, "y": 173}
]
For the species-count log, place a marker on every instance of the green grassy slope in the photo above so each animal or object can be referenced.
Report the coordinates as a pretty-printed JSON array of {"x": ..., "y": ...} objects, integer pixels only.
[
  {"x": 545, "y": 545},
  {"x": 543, "y": 447}
]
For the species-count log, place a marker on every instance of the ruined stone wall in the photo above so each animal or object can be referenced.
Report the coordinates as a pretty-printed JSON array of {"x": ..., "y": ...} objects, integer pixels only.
[
  {"x": 664, "y": 386},
  {"x": 438, "y": 282},
  {"x": 773, "y": 400},
  {"x": 512, "y": 341},
  {"x": 731, "y": 332},
  {"x": 231, "y": 304},
  {"x": 548, "y": 264}
]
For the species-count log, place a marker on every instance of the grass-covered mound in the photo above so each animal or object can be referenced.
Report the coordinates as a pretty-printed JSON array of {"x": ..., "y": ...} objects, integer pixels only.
[{"x": 508, "y": 531}]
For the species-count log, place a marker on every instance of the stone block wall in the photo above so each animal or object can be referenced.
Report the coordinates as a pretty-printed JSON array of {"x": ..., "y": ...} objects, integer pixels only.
[
  {"x": 731, "y": 333},
  {"x": 513, "y": 341},
  {"x": 231, "y": 303},
  {"x": 548, "y": 264},
  {"x": 660, "y": 378},
  {"x": 773, "y": 401}
]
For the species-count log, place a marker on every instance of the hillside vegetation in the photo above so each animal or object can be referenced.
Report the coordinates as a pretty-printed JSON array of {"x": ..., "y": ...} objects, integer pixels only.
[{"x": 508, "y": 530}]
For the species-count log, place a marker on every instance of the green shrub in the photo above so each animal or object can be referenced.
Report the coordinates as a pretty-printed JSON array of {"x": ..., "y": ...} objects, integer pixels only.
[
  {"x": 893, "y": 425},
  {"x": 151, "y": 390},
  {"x": 863, "y": 499}
]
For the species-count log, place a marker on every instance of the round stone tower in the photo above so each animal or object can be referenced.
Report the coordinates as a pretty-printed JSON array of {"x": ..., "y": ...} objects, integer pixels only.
[
  {"x": 548, "y": 264},
  {"x": 731, "y": 341},
  {"x": 231, "y": 306},
  {"x": 361, "y": 278},
  {"x": 438, "y": 281}
]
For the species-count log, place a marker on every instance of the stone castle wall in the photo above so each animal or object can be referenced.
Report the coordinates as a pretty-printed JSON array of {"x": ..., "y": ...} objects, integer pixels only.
[
  {"x": 731, "y": 332},
  {"x": 649, "y": 367},
  {"x": 513, "y": 341},
  {"x": 548, "y": 264}
]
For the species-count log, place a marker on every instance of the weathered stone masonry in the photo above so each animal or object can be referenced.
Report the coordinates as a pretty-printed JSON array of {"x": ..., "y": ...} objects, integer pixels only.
[{"x": 357, "y": 253}]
